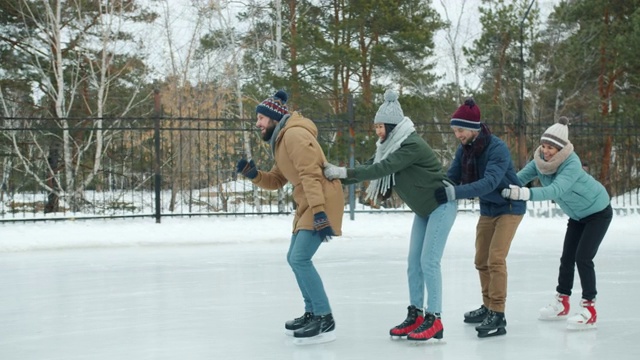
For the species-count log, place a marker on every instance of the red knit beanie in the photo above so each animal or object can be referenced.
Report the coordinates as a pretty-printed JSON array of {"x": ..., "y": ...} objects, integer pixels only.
[{"x": 467, "y": 116}]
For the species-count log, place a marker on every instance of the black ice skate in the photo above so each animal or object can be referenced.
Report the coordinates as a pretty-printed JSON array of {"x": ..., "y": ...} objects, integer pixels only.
[
  {"x": 493, "y": 325},
  {"x": 297, "y": 323},
  {"x": 476, "y": 316},
  {"x": 319, "y": 329}
]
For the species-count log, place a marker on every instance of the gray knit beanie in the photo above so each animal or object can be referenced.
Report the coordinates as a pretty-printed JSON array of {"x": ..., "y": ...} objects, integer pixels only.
[{"x": 390, "y": 111}]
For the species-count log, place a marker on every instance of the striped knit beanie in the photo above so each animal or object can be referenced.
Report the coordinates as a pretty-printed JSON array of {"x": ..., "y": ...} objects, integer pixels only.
[
  {"x": 557, "y": 135},
  {"x": 467, "y": 116},
  {"x": 274, "y": 107}
]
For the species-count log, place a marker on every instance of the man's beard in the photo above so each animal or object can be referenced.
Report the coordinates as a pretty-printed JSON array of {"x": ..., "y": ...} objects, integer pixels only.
[
  {"x": 268, "y": 132},
  {"x": 471, "y": 139}
]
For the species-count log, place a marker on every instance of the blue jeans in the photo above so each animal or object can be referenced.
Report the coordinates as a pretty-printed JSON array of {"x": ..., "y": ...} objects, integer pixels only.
[
  {"x": 304, "y": 245},
  {"x": 428, "y": 238}
]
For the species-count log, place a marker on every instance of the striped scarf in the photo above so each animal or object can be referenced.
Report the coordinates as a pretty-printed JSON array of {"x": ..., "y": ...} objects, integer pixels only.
[{"x": 470, "y": 153}]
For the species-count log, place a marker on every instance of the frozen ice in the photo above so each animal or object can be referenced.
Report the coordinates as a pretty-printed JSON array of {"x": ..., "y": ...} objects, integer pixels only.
[{"x": 220, "y": 288}]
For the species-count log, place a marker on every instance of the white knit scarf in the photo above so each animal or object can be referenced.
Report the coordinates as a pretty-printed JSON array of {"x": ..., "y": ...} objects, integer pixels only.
[
  {"x": 551, "y": 166},
  {"x": 391, "y": 144}
]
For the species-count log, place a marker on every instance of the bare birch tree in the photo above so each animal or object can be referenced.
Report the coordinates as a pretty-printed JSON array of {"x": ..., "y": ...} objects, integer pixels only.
[
  {"x": 229, "y": 42},
  {"x": 182, "y": 44},
  {"x": 71, "y": 45}
]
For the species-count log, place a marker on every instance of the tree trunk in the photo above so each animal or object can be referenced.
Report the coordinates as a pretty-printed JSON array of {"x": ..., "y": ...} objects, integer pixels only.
[
  {"x": 53, "y": 201},
  {"x": 605, "y": 177}
]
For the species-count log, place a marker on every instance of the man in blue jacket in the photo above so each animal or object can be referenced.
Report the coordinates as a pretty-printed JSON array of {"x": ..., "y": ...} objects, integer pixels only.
[{"x": 482, "y": 167}]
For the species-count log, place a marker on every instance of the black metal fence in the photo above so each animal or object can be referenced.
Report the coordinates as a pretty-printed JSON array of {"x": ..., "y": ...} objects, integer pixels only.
[{"x": 155, "y": 167}]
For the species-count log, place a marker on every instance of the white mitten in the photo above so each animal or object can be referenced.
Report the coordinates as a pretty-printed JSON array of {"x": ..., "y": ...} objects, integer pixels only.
[
  {"x": 334, "y": 172},
  {"x": 515, "y": 192}
]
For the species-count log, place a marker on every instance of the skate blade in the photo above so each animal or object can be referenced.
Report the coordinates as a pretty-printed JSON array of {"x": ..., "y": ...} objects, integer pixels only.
[
  {"x": 288, "y": 332},
  {"x": 429, "y": 342},
  {"x": 397, "y": 337},
  {"x": 552, "y": 318},
  {"x": 490, "y": 333},
  {"x": 318, "y": 339},
  {"x": 581, "y": 327}
]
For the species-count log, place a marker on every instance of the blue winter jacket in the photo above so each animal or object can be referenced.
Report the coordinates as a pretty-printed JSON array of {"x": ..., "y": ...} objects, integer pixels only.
[
  {"x": 577, "y": 193},
  {"x": 495, "y": 172}
]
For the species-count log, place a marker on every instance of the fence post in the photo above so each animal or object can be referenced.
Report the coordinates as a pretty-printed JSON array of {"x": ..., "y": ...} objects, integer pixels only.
[
  {"x": 522, "y": 124},
  {"x": 352, "y": 155},
  {"x": 157, "y": 113}
]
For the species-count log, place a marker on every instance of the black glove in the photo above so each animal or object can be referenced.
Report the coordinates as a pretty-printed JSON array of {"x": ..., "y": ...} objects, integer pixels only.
[
  {"x": 247, "y": 168},
  {"x": 441, "y": 195},
  {"x": 321, "y": 226},
  {"x": 445, "y": 194}
]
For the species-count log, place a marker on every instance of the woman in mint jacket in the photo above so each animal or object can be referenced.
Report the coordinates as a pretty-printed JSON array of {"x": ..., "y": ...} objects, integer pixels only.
[
  {"x": 405, "y": 163},
  {"x": 587, "y": 204}
]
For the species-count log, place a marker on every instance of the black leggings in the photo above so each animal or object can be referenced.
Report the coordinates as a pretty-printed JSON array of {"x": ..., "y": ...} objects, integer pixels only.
[{"x": 581, "y": 242}]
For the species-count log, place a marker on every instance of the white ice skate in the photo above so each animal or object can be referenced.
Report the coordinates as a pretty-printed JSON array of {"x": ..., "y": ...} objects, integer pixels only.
[
  {"x": 585, "y": 319},
  {"x": 556, "y": 310}
]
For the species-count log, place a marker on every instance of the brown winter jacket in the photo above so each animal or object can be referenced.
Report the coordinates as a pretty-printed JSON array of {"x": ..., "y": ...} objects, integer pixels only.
[{"x": 299, "y": 159}]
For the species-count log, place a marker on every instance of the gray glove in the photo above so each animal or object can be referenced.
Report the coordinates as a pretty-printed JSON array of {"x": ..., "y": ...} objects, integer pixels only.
[{"x": 332, "y": 172}]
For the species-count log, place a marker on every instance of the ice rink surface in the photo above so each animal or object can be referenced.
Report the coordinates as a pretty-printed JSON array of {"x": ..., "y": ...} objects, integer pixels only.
[{"x": 226, "y": 292}]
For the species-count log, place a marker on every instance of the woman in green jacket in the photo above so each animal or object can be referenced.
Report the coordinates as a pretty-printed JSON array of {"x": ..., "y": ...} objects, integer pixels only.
[{"x": 404, "y": 162}]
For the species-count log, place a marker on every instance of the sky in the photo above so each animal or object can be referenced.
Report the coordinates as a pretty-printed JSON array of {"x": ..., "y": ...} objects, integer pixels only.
[{"x": 220, "y": 288}]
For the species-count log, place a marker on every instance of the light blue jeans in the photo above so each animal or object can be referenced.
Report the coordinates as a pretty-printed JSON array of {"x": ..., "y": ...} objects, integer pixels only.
[
  {"x": 304, "y": 245},
  {"x": 428, "y": 238}
]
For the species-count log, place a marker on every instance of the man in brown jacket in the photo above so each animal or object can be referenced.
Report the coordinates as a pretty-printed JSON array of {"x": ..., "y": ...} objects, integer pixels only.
[{"x": 319, "y": 207}]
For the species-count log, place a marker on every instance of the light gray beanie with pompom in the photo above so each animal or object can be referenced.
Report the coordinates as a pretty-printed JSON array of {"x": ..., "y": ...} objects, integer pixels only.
[
  {"x": 390, "y": 111},
  {"x": 557, "y": 134}
]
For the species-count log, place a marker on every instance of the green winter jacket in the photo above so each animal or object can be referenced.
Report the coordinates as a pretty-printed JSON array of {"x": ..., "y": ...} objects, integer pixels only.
[{"x": 418, "y": 173}]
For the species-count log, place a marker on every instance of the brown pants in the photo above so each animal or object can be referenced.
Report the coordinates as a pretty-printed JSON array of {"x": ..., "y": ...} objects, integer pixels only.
[{"x": 493, "y": 240}]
